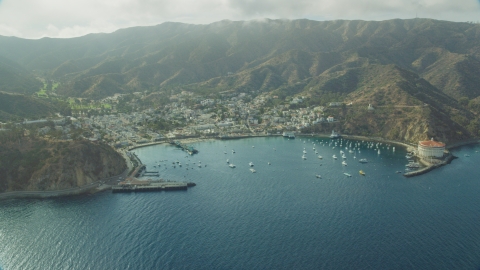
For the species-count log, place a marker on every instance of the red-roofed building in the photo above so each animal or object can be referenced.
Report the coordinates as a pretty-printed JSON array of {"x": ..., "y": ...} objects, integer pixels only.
[{"x": 430, "y": 148}]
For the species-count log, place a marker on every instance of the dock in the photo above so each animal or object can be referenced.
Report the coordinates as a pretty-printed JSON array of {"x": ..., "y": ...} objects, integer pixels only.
[
  {"x": 146, "y": 186},
  {"x": 189, "y": 149}
]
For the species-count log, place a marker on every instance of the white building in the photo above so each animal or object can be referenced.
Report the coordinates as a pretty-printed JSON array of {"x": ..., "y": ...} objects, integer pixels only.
[{"x": 430, "y": 148}]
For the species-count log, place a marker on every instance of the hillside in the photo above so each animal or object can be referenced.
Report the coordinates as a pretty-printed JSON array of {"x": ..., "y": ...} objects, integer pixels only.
[
  {"x": 406, "y": 107},
  {"x": 421, "y": 74},
  {"x": 15, "y": 107},
  {"x": 16, "y": 79},
  {"x": 40, "y": 165},
  {"x": 257, "y": 55}
]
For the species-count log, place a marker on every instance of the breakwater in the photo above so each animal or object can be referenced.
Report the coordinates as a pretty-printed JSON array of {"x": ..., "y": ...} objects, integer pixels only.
[
  {"x": 430, "y": 166},
  {"x": 152, "y": 186}
]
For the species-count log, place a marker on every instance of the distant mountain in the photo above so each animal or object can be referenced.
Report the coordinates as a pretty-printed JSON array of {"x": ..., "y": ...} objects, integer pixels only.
[
  {"x": 258, "y": 54},
  {"x": 16, "y": 79},
  {"x": 388, "y": 64}
]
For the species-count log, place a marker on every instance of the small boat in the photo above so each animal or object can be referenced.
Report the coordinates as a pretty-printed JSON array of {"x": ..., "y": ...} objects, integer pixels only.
[
  {"x": 361, "y": 172},
  {"x": 250, "y": 164},
  {"x": 347, "y": 174},
  {"x": 466, "y": 155},
  {"x": 231, "y": 165},
  {"x": 269, "y": 163},
  {"x": 304, "y": 157},
  {"x": 334, "y": 157},
  {"x": 318, "y": 176},
  {"x": 334, "y": 135},
  {"x": 253, "y": 146},
  {"x": 344, "y": 163},
  {"x": 413, "y": 165},
  {"x": 233, "y": 151},
  {"x": 320, "y": 157},
  {"x": 253, "y": 170},
  {"x": 228, "y": 160},
  {"x": 363, "y": 160}
]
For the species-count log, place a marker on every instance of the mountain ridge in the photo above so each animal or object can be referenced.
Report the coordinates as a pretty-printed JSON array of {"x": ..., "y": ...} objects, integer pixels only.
[{"x": 421, "y": 61}]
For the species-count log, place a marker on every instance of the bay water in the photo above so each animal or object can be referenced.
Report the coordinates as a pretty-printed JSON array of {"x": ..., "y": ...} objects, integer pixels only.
[{"x": 280, "y": 217}]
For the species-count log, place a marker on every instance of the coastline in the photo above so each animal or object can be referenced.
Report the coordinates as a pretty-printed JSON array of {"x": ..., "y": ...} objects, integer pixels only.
[
  {"x": 100, "y": 185},
  {"x": 93, "y": 187}
]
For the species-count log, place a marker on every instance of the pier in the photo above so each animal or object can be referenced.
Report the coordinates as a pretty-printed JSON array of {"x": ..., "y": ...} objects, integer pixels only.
[
  {"x": 145, "y": 186},
  {"x": 189, "y": 149}
]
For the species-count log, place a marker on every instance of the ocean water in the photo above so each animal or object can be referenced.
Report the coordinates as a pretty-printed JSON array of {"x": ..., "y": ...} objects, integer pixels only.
[{"x": 281, "y": 217}]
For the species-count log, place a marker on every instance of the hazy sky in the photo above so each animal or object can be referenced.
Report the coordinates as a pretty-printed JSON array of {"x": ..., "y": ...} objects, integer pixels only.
[{"x": 67, "y": 18}]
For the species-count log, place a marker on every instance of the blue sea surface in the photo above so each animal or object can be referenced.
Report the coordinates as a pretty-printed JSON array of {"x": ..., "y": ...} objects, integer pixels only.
[{"x": 281, "y": 217}]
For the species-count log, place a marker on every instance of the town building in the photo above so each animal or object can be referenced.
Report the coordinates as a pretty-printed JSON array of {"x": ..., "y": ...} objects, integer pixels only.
[{"x": 431, "y": 148}]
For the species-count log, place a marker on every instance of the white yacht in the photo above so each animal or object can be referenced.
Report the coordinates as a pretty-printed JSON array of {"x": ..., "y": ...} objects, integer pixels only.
[{"x": 334, "y": 135}]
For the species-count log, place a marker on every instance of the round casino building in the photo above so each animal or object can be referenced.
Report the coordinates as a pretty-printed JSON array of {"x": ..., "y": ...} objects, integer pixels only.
[{"x": 431, "y": 148}]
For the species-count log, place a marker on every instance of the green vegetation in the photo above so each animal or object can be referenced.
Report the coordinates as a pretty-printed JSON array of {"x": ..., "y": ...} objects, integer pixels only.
[{"x": 48, "y": 88}]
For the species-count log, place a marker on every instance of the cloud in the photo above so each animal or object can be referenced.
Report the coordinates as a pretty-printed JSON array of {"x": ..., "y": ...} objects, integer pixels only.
[{"x": 67, "y": 18}]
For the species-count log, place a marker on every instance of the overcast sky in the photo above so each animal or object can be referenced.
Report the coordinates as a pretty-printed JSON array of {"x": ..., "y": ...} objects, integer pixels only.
[{"x": 68, "y": 18}]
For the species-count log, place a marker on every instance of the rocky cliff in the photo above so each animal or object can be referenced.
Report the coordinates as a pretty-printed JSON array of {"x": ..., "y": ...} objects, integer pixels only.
[{"x": 40, "y": 165}]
